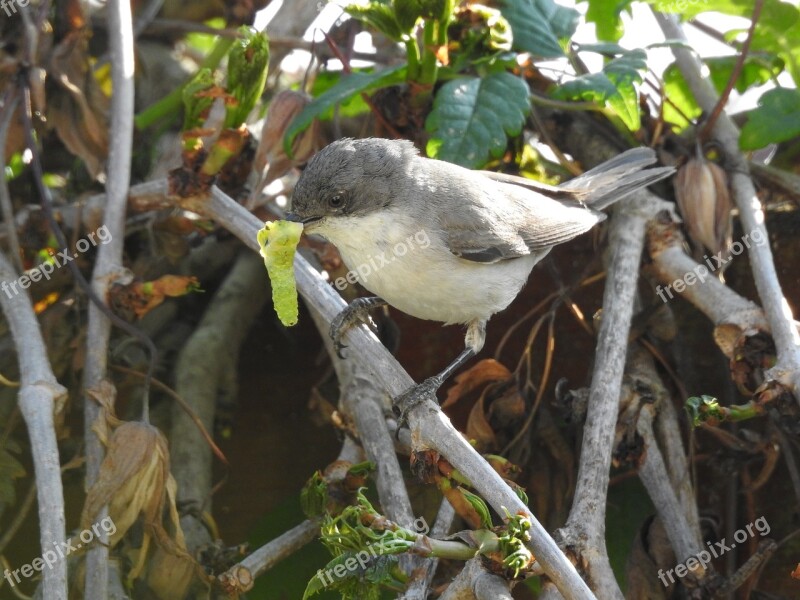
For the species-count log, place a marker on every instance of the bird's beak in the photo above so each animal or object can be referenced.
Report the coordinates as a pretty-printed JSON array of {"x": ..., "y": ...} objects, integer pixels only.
[{"x": 298, "y": 219}]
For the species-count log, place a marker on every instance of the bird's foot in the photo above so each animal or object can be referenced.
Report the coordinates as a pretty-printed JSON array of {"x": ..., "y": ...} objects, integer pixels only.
[
  {"x": 356, "y": 313},
  {"x": 412, "y": 397}
]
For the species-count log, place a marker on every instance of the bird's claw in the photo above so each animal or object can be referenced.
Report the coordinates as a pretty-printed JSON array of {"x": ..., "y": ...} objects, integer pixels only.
[
  {"x": 356, "y": 313},
  {"x": 411, "y": 398}
]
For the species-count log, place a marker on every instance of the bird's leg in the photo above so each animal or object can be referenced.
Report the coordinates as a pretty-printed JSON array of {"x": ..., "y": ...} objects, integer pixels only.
[
  {"x": 356, "y": 313},
  {"x": 476, "y": 336}
]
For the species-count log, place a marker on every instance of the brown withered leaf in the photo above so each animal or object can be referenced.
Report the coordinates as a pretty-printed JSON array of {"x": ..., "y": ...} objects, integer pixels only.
[
  {"x": 105, "y": 394},
  {"x": 77, "y": 107},
  {"x": 485, "y": 371},
  {"x": 796, "y": 572},
  {"x": 140, "y": 297},
  {"x": 135, "y": 482},
  {"x": 271, "y": 162},
  {"x": 701, "y": 189},
  {"x": 479, "y": 429}
]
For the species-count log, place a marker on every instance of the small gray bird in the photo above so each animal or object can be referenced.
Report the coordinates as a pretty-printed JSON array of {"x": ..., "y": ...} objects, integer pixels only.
[{"x": 441, "y": 242}]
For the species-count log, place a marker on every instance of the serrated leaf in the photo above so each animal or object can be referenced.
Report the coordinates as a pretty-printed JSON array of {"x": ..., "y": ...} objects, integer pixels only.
[
  {"x": 538, "y": 25},
  {"x": 353, "y": 581},
  {"x": 472, "y": 117},
  {"x": 614, "y": 87},
  {"x": 341, "y": 92},
  {"x": 776, "y": 119}
]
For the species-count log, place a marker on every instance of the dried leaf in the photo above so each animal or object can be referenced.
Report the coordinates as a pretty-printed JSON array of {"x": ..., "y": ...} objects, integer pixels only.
[
  {"x": 135, "y": 482},
  {"x": 485, "y": 371},
  {"x": 701, "y": 189},
  {"x": 140, "y": 297},
  {"x": 271, "y": 161},
  {"x": 479, "y": 429},
  {"x": 78, "y": 109}
]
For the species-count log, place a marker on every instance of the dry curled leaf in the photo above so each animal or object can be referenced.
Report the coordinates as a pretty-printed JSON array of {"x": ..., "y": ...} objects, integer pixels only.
[
  {"x": 140, "y": 297},
  {"x": 485, "y": 371},
  {"x": 135, "y": 482},
  {"x": 701, "y": 189},
  {"x": 271, "y": 161},
  {"x": 77, "y": 107}
]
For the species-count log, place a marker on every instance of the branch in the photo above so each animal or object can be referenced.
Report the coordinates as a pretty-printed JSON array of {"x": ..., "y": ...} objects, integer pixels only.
[
  {"x": 108, "y": 263},
  {"x": 433, "y": 431},
  {"x": 751, "y": 213},
  {"x": 584, "y": 532},
  {"x": 40, "y": 398},
  {"x": 205, "y": 370},
  {"x": 241, "y": 577},
  {"x": 731, "y": 314},
  {"x": 474, "y": 581}
]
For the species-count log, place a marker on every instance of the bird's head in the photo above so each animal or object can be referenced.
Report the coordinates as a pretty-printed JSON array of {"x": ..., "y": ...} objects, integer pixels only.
[{"x": 351, "y": 178}]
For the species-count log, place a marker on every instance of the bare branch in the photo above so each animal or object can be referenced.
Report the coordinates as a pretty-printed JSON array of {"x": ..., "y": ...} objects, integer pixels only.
[
  {"x": 430, "y": 428},
  {"x": 751, "y": 213},
  {"x": 40, "y": 398},
  {"x": 109, "y": 262}
]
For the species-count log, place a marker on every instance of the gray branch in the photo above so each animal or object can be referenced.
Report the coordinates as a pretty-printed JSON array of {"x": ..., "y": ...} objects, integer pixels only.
[
  {"x": 751, "y": 213},
  {"x": 40, "y": 397},
  {"x": 430, "y": 427},
  {"x": 109, "y": 262}
]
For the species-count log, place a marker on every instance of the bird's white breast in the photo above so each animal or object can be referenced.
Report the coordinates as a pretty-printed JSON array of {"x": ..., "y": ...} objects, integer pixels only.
[{"x": 412, "y": 269}]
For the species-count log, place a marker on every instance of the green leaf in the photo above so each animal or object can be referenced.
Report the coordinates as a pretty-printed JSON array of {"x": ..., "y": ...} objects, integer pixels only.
[
  {"x": 776, "y": 119},
  {"x": 346, "y": 88},
  {"x": 605, "y": 14},
  {"x": 773, "y": 11},
  {"x": 480, "y": 507},
  {"x": 758, "y": 69},
  {"x": 195, "y": 104},
  {"x": 538, "y": 25},
  {"x": 472, "y": 117},
  {"x": 380, "y": 15},
  {"x": 614, "y": 87},
  {"x": 247, "y": 73}
]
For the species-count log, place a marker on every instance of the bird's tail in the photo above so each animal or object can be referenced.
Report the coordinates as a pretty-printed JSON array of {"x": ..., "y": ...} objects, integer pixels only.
[{"x": 618, "y": 177}]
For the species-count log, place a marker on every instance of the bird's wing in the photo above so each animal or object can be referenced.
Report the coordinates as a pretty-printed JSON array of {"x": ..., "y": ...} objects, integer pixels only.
[{"x": 506, "y": 221}]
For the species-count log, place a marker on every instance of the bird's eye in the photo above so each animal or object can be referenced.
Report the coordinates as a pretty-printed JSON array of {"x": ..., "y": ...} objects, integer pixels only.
[{"x": 336, "y": 200}]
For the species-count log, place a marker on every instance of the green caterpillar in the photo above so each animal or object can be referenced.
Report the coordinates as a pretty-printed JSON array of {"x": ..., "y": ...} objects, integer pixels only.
[{"x": 278, "y": 241}]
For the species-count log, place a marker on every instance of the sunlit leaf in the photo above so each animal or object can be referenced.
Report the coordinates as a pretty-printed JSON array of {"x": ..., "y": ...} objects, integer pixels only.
[
  {"x": 776, "y": 119},
  {"x": 472, "y": 117},
  {"x": 341, "y": 92},
  {"x": 614, "y": 87},
  {"x": 539, "y": 25}
]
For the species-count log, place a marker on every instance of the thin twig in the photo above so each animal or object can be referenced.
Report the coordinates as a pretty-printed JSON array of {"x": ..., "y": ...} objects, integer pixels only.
[
  {"x": 107, "y": 265},
  {"x": 737, "y": 69},
  {"x": 9, "y": 104}
]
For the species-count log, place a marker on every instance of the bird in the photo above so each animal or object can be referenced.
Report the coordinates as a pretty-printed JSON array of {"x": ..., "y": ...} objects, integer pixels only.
[{"x": 479, "y": 233}]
